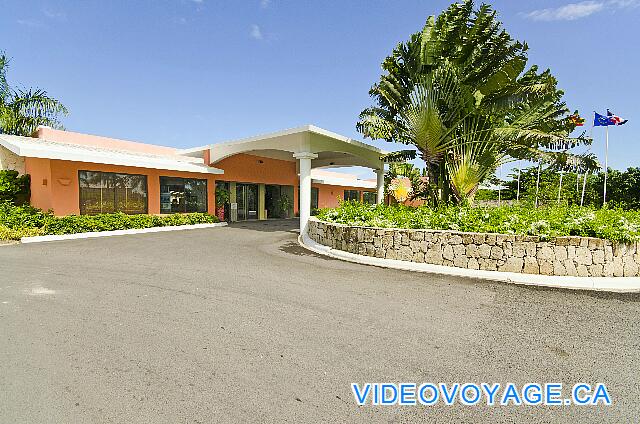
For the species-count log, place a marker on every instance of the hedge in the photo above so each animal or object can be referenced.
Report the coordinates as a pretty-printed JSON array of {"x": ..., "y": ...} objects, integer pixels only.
[
  {"x": 14, "y": 188},
  {"x": 553, "y": 221},
  {"x": 21, "y": 221}
]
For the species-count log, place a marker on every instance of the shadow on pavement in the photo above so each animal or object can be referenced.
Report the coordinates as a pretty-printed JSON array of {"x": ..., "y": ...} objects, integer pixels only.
[
  {"x": 270, "y": 225},
  {"x": 294, "y": 248}
]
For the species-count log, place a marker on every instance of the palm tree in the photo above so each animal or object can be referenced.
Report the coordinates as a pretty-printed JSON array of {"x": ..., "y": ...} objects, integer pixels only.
[
  {"x": 22, "y": 111},
  {"x": 465, "y": 142},
  {"x": 458, "y": 91}
]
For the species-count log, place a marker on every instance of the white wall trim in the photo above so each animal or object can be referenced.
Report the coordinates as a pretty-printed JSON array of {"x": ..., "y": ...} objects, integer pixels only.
[{"x": 95, "y": 234}]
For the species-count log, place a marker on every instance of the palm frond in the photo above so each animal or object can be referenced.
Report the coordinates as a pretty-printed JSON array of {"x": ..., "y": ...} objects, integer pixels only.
[{"x": 399, "y": 156}]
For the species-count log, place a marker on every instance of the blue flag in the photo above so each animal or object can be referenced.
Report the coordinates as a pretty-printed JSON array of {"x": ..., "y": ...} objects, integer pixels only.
[{"x": 602, "y": 121}]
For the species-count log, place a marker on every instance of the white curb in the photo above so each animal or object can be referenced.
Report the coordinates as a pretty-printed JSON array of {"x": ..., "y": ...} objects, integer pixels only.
[
  {"x": 39, "y": 239},
  {"x": 612, "y": 284}
]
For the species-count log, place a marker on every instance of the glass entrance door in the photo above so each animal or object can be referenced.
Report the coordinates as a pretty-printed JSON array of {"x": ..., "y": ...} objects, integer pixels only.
[{"x": 247, "y": 199}]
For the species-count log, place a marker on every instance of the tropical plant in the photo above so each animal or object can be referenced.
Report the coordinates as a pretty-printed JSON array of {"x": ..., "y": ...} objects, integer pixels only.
[
  {"x": 550, "y": 221},
  {"x": 623, "y": 187},
  {"x": 14, "y": 188},
  {"x": 396, "y": 170},
  {"x": 25, "y": 220},
  {"x": 463, "y": 82},
  {"x": 285, "y": 204},
  {"x": 222, "y": 196},
  {"x": 22, "y": 111}
]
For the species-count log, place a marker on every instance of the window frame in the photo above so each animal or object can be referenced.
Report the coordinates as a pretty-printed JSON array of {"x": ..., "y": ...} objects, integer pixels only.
[
  {"x": 344, "y": 195},
  {"x": 184, "y": 179},
  {"x": 315, "y": 197},
  {"x": 373, "y": 194},
  {"x": 146, "y": 190}
]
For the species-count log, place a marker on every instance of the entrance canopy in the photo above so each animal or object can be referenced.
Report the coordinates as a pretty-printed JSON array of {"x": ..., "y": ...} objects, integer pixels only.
[
  {"x": 311, "y": 147},
  {"x": 331, "y": 149}
]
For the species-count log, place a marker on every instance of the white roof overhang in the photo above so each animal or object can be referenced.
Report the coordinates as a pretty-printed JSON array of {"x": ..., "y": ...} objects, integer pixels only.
[
  {"x": 40, "y": 148},
  {"x": 332, "y": 150}
]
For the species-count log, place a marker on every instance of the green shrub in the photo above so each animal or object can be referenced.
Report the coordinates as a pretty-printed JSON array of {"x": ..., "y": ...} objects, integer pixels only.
[
  {"x": 24, "y": 216},
  {"x": 553, "y": 221},
  {"x": 11, "y": 234},
  {"x": 14, "y": 188},
  {"x": 18, "y": 221}
]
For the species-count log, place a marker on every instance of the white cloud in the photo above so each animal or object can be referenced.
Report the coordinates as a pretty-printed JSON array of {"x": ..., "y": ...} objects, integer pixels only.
[
  {"x": 54, "y": 15},
  {"x": 625, "y": 3},
  {"x": 256, "y": 32},
  {"x": 568, "y": 12},
  {"x": 573, "y": 11},
  {"x": 198, "y": 1},
  {"x": 265, "y": 3},
  {"x": 30, "y": 23}
]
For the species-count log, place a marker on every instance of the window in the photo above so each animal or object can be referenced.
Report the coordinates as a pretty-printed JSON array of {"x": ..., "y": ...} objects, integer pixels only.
[
  {"x": 352, "y": 195},
  {"x": 314, "y": 197},
  {"x": 369, "y": 197},
  {"x": 107, "y": 192},
  {"x": 182, "y": 195}
]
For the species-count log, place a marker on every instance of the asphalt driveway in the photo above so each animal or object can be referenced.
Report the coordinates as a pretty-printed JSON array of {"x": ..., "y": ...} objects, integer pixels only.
[{"x": 240, "y": 324}]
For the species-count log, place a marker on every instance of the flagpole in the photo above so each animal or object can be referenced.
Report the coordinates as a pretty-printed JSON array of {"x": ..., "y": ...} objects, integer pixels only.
[
  {"x": 584, "y": 185},
  {"x": 518, "y": 195},
  {"x": 606, "y": 165},
  {"x": 500, "y": 185},
  {"x": 560, "y": 187},
  {"x": 538, "y": 183}
]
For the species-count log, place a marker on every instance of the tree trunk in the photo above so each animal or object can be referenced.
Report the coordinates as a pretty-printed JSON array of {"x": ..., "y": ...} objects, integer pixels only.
[{"x": 443, "y": 182}]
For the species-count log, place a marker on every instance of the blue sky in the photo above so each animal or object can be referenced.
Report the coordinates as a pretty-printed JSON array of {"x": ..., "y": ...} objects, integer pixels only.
[{"x": 184, "y": 73}]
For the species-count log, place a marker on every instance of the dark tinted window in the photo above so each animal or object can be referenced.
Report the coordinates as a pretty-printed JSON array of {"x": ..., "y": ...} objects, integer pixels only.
[
  {"x": 369, "y": 197},
  {"x": 352, "y": 195},
  {"x": 180, "y": 195},
  {"x": 106, "y": 192}
]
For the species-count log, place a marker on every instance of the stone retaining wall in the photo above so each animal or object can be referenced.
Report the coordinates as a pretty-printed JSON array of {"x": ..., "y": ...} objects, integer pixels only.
[{"x": 574, "y": 256}]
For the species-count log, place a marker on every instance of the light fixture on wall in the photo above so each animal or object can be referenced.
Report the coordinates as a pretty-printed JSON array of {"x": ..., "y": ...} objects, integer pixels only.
[
  {"x": 260, "y": 161},
  {"x": 64, "y": 181}
]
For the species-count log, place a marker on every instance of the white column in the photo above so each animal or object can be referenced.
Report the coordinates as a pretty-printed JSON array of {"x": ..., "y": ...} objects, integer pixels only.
[
  {"x": 380, "y": 185},
  {"x": 305, "y": 187}
]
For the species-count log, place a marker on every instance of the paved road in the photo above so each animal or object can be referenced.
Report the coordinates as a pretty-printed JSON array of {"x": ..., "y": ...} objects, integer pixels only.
[{"x": 240, "y": 324}]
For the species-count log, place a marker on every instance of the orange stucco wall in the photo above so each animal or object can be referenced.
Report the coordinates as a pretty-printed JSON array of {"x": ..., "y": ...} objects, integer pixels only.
[
  {"x": 54, "y": 183},
  {"x": 245, "y": 168},
  {"x": 329, "y": 195},
  {"x": 255, "y": 169},
  {"x": 62, "y": 192},
  {"x": 40, "y": 172}
]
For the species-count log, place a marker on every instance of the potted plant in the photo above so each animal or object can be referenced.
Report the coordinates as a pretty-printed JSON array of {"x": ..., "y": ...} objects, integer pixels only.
[
  {"x": 284, "y": 203},
  {"x": 222, "y": 198}
]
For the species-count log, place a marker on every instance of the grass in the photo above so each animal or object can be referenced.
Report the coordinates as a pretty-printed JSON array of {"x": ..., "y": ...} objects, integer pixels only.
[{"x": 553, "y": 221}]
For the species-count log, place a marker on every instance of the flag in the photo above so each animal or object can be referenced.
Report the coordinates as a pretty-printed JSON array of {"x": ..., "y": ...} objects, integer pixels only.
[
  {"x": 576, "y": 120},
  {"x": 615, "y": 119},
  {"x": 601, "y": 121}
]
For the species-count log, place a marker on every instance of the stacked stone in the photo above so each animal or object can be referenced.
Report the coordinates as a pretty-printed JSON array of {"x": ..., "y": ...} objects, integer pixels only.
[{"x": 572, "y": 256}]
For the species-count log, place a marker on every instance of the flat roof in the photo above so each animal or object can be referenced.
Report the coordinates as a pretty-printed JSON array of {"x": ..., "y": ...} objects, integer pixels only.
[
  {"x": 332, "y": 149},
  {"x": 45, "y": 149},
  {"x": 305, "y": 128}
]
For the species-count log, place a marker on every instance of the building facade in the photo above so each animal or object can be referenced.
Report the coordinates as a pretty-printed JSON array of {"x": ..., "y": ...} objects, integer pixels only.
[{"x": 271, "y": 176}]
